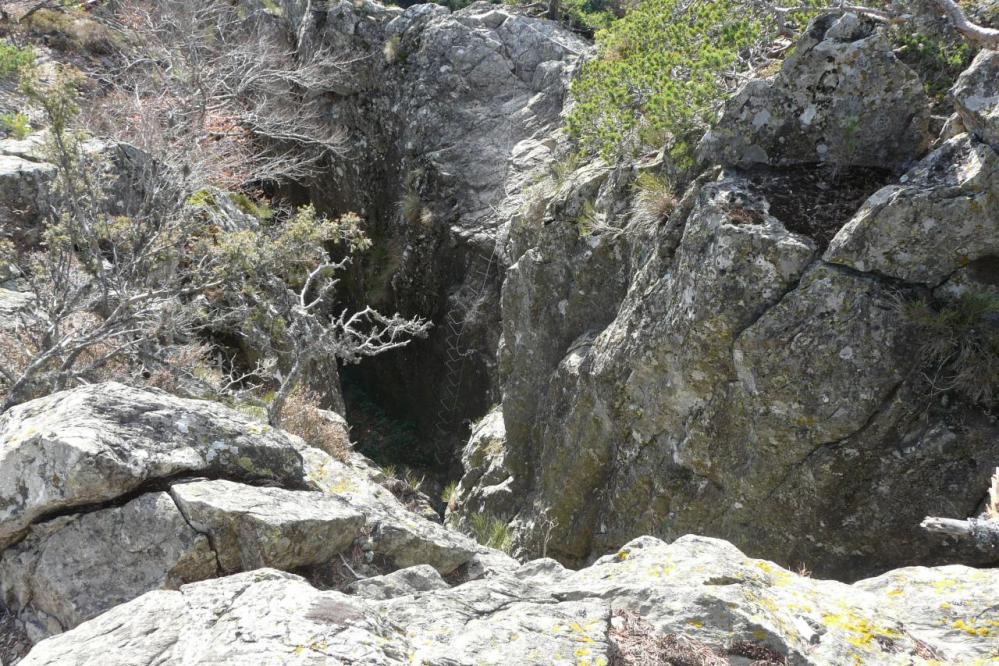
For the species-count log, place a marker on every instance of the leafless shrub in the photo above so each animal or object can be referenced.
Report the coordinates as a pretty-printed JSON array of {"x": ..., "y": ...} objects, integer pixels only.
[
  {"x": 124, "y": 277},
  {"x": 300, "y": 416},
  {"x": 233, "y": 94}
]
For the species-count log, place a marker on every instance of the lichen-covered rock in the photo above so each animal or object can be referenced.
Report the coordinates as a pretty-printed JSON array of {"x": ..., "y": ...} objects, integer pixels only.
[
  {"x": 87, "y": 446},
  {"x": 943, "y": 215},
  {"x": 252, "y": 528},
  {"x": 437, "y": 104},
  {"x": 73, "y": 568},
  {"x": 841, "y": 97},
  {"x": 396, "y": 533},
  {"x": 488, "y": 481},
  {"x": 421, "y": 578},
  {"x": 23, "y": 196},
  {"x": 114, "y": 491},
  {"x": 743, "y": 388},
  {"x": 696, "y": 592},
  {"x": 976, "y": 95}
]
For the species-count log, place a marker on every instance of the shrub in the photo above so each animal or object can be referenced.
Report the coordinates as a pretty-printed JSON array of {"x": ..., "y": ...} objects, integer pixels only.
[
  {"x": 659, "y": 75},
  {"x": 492, "y": 532},
  {"x": 938, "y": 60},
  {"x": 14, "y": 60},
  {"x": 958, "y": 344},
  {"x": 16, "y": 125}
]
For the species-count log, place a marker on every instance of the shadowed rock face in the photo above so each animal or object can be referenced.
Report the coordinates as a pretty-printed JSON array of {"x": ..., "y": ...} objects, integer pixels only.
[
  {"x": 436, "y": 106},
  {"x": 646, "y": 595},
  {"x": 743, "y": 380}
]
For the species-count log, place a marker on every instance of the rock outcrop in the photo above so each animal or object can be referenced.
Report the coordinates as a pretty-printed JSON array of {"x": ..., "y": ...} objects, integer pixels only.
[
  {"x": 438, "y": 106},
  {"x": 841, "y": 98},
  {"x": 108, "y": 492},
  {"x": 662, "y": 603},
  {"x": 752, "y": 377}
]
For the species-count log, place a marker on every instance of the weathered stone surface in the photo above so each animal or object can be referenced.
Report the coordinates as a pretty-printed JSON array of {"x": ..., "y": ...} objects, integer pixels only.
[
  {"x": 702, "y": 589},
  {"x": 252, "y": 528},
  {"x": 943, "y": 214},
  {"x": 438, "y": 122},
  {"x": 841, "y": 97},
  {"x": 23, "y": 193},
  {"x": 93, "y": 444},
  {"x": 952, "y": 608},
  {"x": 742, "y": 388},
  {"x": 73, "y": 568},
  {"x": 488, "y": 481},
  {"x": 396, "y": 533},
  {"x": 421, "y": 578},
  {"x": 14, "y": 306},
  {"x": 976, "y": 95}
]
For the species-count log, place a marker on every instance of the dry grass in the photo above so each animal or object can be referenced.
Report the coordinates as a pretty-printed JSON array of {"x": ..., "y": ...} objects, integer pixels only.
[
  {"x": 636, "y": 643},
  {"x": 655, "y": 200},
  {"x": 301, "y": 417},
  {"x": 992, "y": 510}
]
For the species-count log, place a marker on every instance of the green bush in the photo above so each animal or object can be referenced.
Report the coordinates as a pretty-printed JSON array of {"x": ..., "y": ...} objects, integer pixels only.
[
  {"x": 14, "y": 60},
  {"x": 16, "y": 125},
  {"x": 937, "y": 60},
  {"x": 658, "y": 76},
  {"x": 958, "y": 344}
]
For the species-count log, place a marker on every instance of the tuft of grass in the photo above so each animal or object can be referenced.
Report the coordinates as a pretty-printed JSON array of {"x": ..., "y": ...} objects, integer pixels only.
[
  {"x": 16, "y": 125},
  {"x": 450, "y": 495},
  {"x": 958, "y": 343},
  {"x": 492, "y": 532},
  {"x": 655, "y": 199},
  {"x": 256, "y": 209},
  {"x": 411, "y": 207},
  {"x": 412, "y": 480},
  {"x": 561, "y": 170},
  {"x": 391, "y": 50},
  {"x": 587, "y": 221}
]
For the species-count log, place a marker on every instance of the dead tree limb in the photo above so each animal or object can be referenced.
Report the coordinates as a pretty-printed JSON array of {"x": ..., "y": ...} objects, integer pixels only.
[{"x": 982, "y": 531}]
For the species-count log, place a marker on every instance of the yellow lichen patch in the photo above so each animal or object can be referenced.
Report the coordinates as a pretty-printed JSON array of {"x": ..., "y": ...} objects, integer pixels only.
[
  {"x": 778, "y": 577},
  {"x": 974, "y": 627},
  {"x": 660, "y": 570},
  {"x": 944, "y": 585},
  {"x": 342, "y": 485},
  {"x": 622, "y": 555},
  {"x": 896, "y": 592},
  {"x": 696, "y": 624},
  {"x": 860, "y": 632},
  {"x": 759, "y": 634}
]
